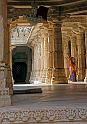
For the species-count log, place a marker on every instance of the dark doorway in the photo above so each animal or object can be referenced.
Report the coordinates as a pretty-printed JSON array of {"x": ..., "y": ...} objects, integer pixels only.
[{"x": 19, "y": 72}]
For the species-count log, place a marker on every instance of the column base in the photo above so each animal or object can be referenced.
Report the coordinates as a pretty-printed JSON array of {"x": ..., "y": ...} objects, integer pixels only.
[
  {"x": 9, "y": 80},
  {"x": 81, "y": 75},
  {"x": 5, "y": 99},
  {"x": 58, "y": 76},
  {"x": 86, "y": 75},
  {"x": 50, "y": 76},
  {"x": 45, "y": 78}
]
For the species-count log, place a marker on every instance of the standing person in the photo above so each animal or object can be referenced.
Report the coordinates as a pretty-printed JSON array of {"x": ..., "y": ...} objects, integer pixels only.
[{"x": 72, "y": 69}]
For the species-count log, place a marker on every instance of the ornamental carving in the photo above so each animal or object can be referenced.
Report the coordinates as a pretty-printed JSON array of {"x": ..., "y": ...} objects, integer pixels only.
[
  {"x": 45, "y": 115},
  {"x": 20, "y": 34}
]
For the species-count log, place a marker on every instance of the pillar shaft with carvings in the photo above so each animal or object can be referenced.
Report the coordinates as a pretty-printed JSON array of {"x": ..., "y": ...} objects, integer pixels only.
[
  {"x": 45, "y": 74},
  {"x": 58, "y": 73},
  {"x": 6, "y": 46},
  {"x": 42, "y": 60},
  {"x": 50, "y": 53},
  {"x": 65, "y": 39},
  {"x": 81, "y": 57},
  {"x": 73, "y": 46},
  {"x": 37, "y": 60},
  {"x": 7, "y": 59},
  {"x": 4, "y": 91},
  {"x": 86, "y": 50}
]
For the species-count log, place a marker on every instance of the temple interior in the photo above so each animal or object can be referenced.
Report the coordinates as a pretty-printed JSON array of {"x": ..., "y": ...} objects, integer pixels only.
[{"x": 37, "y": 40}]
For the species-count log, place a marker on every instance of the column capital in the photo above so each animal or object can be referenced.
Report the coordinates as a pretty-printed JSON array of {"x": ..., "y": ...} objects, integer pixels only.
[
  {"x": 78, "y": 30},
  {"x": 57, "y": 21},
  {"x": 54, "y": 13}
]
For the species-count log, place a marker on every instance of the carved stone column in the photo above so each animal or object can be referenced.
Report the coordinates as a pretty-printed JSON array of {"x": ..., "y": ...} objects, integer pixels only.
[
  {"x": 37, "y": 58},
  {"x": 58, "y": 72},
  {"x": 42, "y": 60},
  {"x": 74, "y": 51},
  {"x": 50, "y": 53},
  {"x": 86, "y": 51},
  {"x": 73, "y": 46},
  {"x": 81, "y": 57},
  {"x": 65, "y": 39},
  {"x": 32, "y": 72},
  {"x": 4, "y": 92},
  {"x": 35, "y": 63},
  {"x": 7, "y": 60},
  {"x": 11, "y": 49},
  {"x": 45, "y": 74}
]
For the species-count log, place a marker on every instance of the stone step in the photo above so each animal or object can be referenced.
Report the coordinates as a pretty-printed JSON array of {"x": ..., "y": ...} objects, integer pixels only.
[{"x": 27, "y": 91}]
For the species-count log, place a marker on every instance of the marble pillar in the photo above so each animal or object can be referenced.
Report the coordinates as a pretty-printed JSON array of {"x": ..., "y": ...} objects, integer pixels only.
[
  {"x": 32, "y": 71},
  {"x": 42, "y": 60},
  {"x": 37, "y": 61},
  {"x": 7, "y": 56},
  {"x": 73, "y": 46},
  {"x": 1, "y": 33},
  {"x": 11, "y": 49},
  {"x": 81, "y": 56},
  {"x": 58, "y": 72},
  {"x": 45, "y": 74},
  {"x": 86, "y": 52},
  {"x": 65, "y": 40},
  {"x": 35, "y": 64},
  {"x": 50, "y": 53},
  {"x": 5, "y": 99},
  {"x": 6, "y": 53}
]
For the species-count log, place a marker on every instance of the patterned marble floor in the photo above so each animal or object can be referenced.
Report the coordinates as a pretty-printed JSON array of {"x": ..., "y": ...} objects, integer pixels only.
[
  {"x": 62, "y": 94},
  {"x": 57, "y": 104}
]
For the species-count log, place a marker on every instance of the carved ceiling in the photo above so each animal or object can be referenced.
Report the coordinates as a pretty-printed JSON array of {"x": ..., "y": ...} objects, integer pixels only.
[{"x": 60, "y": 7}]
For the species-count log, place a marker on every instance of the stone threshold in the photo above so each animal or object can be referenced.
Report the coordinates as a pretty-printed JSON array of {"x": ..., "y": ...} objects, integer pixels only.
[
  {"x": 27, "y": 91},
  {"x": 78, "y": 82}
]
